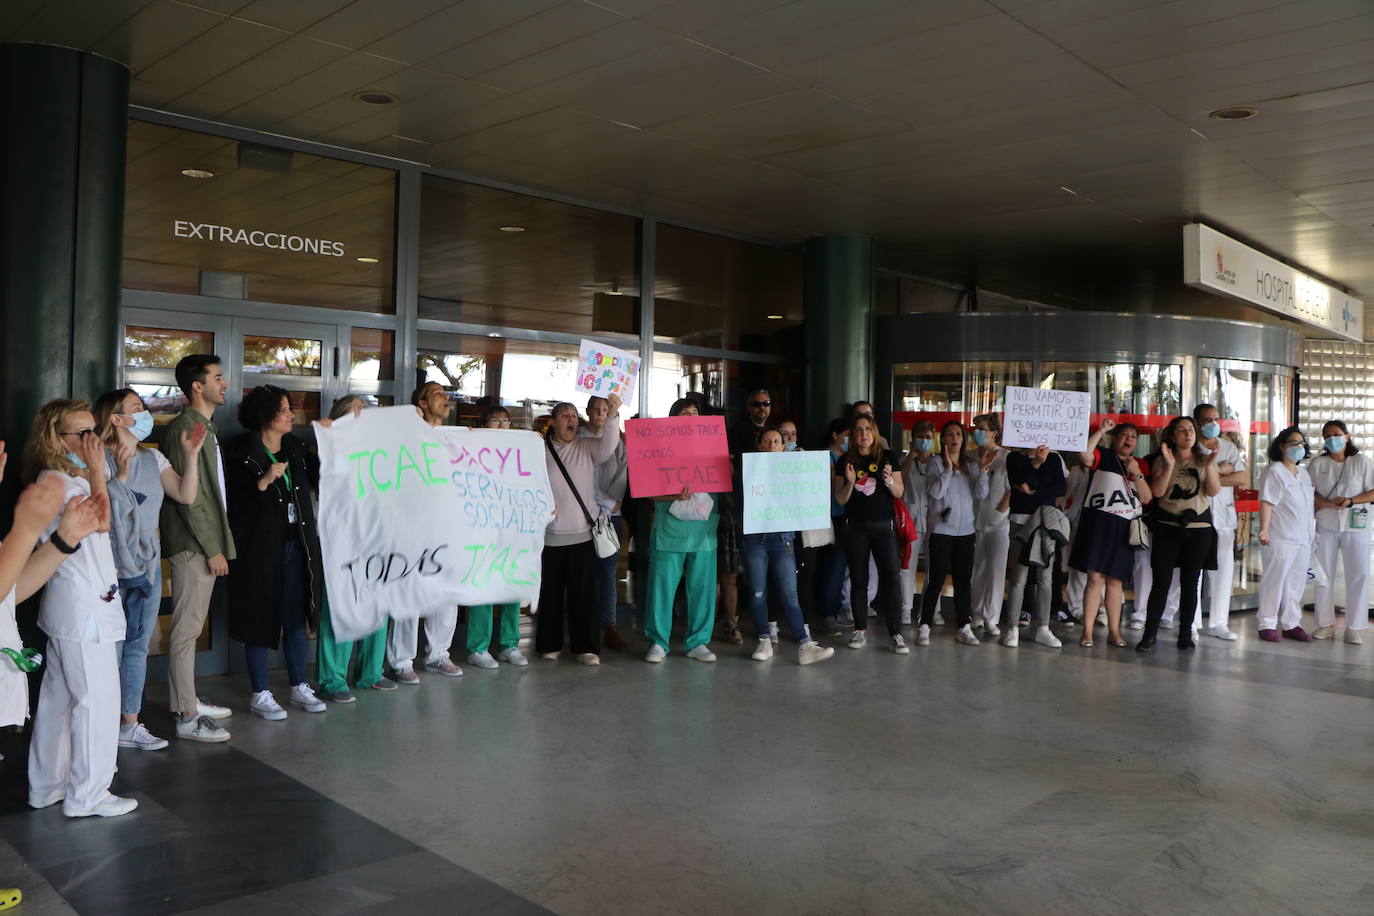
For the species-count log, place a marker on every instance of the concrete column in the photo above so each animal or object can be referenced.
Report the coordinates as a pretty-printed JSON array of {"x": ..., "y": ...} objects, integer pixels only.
[{"x": 839, "y": 327}]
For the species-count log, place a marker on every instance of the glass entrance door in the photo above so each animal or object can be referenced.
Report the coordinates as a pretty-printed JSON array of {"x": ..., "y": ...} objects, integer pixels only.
[{"x": 303, "y": 359}]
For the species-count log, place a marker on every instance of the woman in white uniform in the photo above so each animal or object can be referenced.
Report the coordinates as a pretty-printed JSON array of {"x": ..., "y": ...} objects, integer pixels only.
[
  {"x": 991, "y": 526},
  {"x": 1344, "y": 482},
  {"x": 1286, "y": 523},
  {"x": 76, "y": 728}
]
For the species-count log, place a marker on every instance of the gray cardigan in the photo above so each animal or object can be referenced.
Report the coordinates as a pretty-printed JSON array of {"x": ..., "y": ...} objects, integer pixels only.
[{"x": 134, "y": 508}]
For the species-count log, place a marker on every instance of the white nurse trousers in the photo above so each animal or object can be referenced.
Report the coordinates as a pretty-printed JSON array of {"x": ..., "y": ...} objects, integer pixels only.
[
  {"x": 1281, "y": 586},
  {"x": 76, "y": 728},
  {"x": 404, "y": 639},
  {"x": 1353, "y": 549}
]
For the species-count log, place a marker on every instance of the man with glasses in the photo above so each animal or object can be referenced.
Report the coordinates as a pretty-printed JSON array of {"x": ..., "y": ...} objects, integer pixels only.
[
  {"x": 196, "y": 542},
  {"x": 744, "y": 435}
]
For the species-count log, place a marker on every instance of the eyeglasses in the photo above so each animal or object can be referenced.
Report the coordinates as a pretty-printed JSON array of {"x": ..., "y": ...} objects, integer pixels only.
[
  {"x": 79, "y": 432},
  {"x": 760, "y": 403},
  {"x": 499, "y": 424}
]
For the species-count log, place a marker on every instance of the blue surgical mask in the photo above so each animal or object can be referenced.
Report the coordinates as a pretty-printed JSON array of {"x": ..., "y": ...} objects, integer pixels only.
[
  {"x": 789, "y": 446},
  {"x": 1335, "y": 444},
  {"x": 980, "y": 437},
  {"x": 925, "y": 445},
  {"x": 143, "y": 425},
  {"x": 1296, "y": 453},
  {"x": 844, "y": 444},
  {"x": 75, "y": 459},
  {"x": 1211, "y": 430}
]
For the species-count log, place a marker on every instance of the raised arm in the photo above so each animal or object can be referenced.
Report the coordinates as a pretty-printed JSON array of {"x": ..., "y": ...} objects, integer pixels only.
[{"x": 185, "y": 486}]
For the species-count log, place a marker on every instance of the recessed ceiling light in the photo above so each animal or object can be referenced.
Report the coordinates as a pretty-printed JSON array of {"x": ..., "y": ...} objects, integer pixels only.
[
  {"x": 1240, "y": 113},
  {"x": 493, "y": 334},
  {"x": 511, "y": 228},
  {"x": 368, "y": 260},
  {"x": 374, "y": 97},
  {"x": 198, "y": 173},
  {"x": 775, "y": 318}
]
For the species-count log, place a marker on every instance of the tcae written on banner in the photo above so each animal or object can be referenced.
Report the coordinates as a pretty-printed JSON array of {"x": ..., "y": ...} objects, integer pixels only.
[{"x": 414, "y": 518}]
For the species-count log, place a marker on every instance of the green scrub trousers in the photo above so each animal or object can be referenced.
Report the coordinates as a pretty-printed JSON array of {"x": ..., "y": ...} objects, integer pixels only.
[
  {"x": 677, "y": 545},
  {"x": 479, "y": 627},
  {"x": 331, "y": 662}
]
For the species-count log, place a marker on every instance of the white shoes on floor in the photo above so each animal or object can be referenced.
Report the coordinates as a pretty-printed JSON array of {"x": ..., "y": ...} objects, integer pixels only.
[
  {"x": 200, "y": 728},
  {"x": 808, "y": 653},
  {"x": 898, "y": 645},
  {"x": 701, "y": 654},
  {"x": 136, "y": 736},
  {"x": 859, "y": 639},
  {"x": 763, "y": 651},
  {"x": 265, "y": 706},
  {"x": 206, "y": 708},
  {"x": 1221, "y": 633},
  {"x": 513, "y": 656},
  {"x": 109, "y": 806},
  {"x": 923, "y": 635},
  {"x": 1045, "y": 637},
  {"x": 302, "y": 697},
  {"x": 964, "y": 636},
  {"x": 1353, "y": 637},
  {"x": 656, "y": 654},
  {"x": 1011, "y": 638}
]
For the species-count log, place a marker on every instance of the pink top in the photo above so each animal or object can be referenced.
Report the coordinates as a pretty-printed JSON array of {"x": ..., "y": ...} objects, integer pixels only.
[{"x": 580, "y": 457}]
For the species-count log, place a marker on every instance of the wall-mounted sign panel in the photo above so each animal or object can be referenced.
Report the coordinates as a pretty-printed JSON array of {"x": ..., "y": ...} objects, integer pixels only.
[{"x": 1220, "y": 264}]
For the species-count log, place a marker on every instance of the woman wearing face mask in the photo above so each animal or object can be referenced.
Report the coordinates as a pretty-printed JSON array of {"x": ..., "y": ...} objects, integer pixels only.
[
  {"x": 770, "y": 563},
  {"x": 991, "y": 526},
  {"x": 1183, "y": 480},
  {"x": 508, "y": 615},
  {"x": 1287, "y": 504},
  {"x": 1116, "y": 491},
  {"x": 1344, "y": 481},
  {"x": 139, "y": 479},
  {"x": 956, "y": 483},
  {"x": 866, "y": 480},
  {"x": 915, "y": 470}
]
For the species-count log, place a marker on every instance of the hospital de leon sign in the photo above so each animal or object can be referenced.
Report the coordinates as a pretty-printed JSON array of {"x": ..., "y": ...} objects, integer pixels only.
[{"x": 1218, "y": 263}]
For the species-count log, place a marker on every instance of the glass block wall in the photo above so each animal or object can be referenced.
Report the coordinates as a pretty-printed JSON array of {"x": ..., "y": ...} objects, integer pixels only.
[{"x": 1337, "y": 384}]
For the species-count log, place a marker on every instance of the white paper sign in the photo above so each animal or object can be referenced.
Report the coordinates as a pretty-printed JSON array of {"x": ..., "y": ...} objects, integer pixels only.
[
  {"x": 786, "y": 491},
  {"x": 604, "y": 371},
  {"x": 1037, "y": 416},
  {"x": 414, "y": 518}
]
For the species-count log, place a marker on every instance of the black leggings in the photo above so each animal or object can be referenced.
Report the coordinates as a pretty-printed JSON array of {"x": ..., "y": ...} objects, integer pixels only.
[
  {"x": 949, "y": 554},
  {"x": 861, "y": 538},
  {"x": 1188, "y": 550}
]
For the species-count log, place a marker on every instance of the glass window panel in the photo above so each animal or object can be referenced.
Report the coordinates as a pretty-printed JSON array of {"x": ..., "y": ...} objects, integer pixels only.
[
  {"x": 372, "y": 355},
  {"x": 569, "y": 268},
  {"x": 162, "y": 401},
  {"x": 270, "y": 224},
  {"x": 163, "y": 348},
  {"x": 721, "y": 385},
  {"x": 966, "y": 389},
  {"x": 304, "y": 404},
  {"x": 712, "y": 291},
  {"x": 281, "y": 355},
  {"x": 378, "y": 400}
]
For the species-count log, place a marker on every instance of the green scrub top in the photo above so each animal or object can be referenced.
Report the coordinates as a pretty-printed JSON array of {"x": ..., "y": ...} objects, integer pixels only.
[{"x": 675, "y": 535}]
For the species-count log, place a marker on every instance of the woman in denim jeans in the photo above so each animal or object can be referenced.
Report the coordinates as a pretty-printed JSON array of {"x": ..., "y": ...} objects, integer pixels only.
[
  {"x": 770, "y": 563},
  {"x": 139, "y": 477}
]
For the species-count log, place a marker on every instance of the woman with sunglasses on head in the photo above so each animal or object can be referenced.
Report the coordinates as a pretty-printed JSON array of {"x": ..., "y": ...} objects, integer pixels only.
[
  {"x": 991, "y": 525},
  {"x": 139, "y": 480},
  {"x": 1287, "y": 522},
  {"x": 76, "y": 727},
  {"x": 507, "y": 615},
  {"x": 1344, "y": 481},
  {"x": 276, "y": 583},
  {"x": 1183, "y": 480},
  {"x": 866, "y": 481},
  {"x": 956, "y": 483}
]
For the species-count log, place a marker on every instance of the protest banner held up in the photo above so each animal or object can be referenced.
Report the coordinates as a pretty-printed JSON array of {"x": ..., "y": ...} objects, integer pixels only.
[
  {"x": 1037, "y": 416},
  {"x": 667, "y": 453},
  {"x": 604, "y": 371},
  {"x": 786, "y": 491},
  {"x": 413, "y": 518}
]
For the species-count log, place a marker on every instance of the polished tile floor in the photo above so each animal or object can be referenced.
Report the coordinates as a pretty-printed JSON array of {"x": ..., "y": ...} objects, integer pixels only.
[{"x": 1238, "y": 778}]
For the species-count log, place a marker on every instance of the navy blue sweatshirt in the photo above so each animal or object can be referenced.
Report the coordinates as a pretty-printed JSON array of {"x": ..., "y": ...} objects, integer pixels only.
[{"x": 1048, "y": 482}]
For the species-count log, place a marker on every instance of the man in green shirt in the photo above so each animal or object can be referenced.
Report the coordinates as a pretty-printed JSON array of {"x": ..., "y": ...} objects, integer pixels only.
[{"x": 197, "y": 543}]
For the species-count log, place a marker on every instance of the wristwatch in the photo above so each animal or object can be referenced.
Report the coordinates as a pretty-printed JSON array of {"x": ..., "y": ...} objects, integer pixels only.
[{"x": 63, "y": 546}]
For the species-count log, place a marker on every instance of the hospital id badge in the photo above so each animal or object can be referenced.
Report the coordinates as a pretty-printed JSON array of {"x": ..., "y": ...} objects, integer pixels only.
[
  {"x": 1359, "y": 518},
  {"x": 291, "y": 515}
]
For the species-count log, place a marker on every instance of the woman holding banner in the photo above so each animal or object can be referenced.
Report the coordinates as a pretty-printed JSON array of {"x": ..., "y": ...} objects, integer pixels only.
[
  {"x": 770, "y": 563},
  {"x": 683, "y": 541},
  {"x": 508, "y": 615},
  {"x": 568, "y": 586},
  {"x": 866, "y": 481}
]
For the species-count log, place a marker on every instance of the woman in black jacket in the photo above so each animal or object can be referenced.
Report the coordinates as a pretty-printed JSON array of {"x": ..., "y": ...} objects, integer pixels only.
[{"x": 274, "y": 585}]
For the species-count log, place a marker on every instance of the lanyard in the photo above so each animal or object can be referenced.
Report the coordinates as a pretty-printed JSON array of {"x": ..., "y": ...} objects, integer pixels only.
[{"x": 286, "y": 474}]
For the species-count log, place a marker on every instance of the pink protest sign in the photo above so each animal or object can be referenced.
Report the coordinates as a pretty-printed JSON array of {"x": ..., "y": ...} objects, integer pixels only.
[{"x": 668, "y": 453}]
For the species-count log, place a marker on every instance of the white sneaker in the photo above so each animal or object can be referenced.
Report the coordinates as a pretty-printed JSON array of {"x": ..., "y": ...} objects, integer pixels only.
[
  {"x": 483, "y": 660},
  {"x": 200, "y": 728},
  {"x": 898, "y": 645},
  {"x": 656, "y": 654},
  {"x": 1135, "y": 624},
  {"x": 44, "y": 801},
  {"x": 1353, "y": 637},
  {"x": 1045, "y": 637},
  {"x": 808, "y": 653},
  {"x": 965, "y": 636},
  {"x": 444, "y": 666},
  {"x": 1222, "y": 633},
  {"x": 136, "y": 736},
  {"x": 204, "y": 708},
  {"x": 701, "y": 654},
  {"x": 923, "y": 635},
  {"x": 302, "y": 697},
  {"x": 551, "y": 656},
  {"x": 763, "y": 651},
  {"x": 773, "y": 632},
  {"x": 109, "y": 806},
  {"x": 1012, "y": 638},
  {"x": 859, "y": 639},
  {"x": 1323, "y": 632},
  {"x": 991, "y": 631},
  {"x": 513, "y": 656},
  {"x": 939, "y": 619},
  {"x": 590, "y": 659},
  {"x": 265, "y": 706}
]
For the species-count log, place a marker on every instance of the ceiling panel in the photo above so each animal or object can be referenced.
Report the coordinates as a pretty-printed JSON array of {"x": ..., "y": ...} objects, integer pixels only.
[
  {"x": 539, "y": 32},
  {"x": 291, "y": 15},
  {"x": 212, "y": 52},
  {"x": 156, "y": 31}
]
